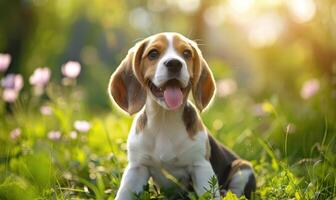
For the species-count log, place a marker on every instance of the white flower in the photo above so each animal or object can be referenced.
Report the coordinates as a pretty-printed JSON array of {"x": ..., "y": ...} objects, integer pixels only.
[
  {"x": 73, "y": 135},
  {"x": 226, "y": 87},
  {"x": 5, "y": 60},
  {"x": 290, "y": 128},
  {"x": 82, "y": 126},
  {"x": 40, "y": 77},
  {"x": 46, "y": 110},
  {"x": 54, "y": 135},
  {"x": 310, "y": 88},
  {"x": 15, "y": 134},
  {"x": 71, "y": 69}
]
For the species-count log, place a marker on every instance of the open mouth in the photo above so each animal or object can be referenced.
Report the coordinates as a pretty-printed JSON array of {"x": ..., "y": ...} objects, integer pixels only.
[{"x": 172, "y": 93}]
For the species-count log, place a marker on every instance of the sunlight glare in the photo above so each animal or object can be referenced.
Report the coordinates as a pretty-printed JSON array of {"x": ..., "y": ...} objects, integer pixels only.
[
  {"x": 265, "y": 30},
  {"x": 188, "y": 6},
  {"x": 302, "y": 10},
  {"x": 214, "y": 15},
  {"x": 271, "y": 3},
  {"x": 240, "y": 6},
  {"x": 241, "y": 11}
]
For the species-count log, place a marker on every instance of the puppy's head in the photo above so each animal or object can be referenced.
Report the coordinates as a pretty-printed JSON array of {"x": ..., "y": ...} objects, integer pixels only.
[{"x": 163, "y": 67}]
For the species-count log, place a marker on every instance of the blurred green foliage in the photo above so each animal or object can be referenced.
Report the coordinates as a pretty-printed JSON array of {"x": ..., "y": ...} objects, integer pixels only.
[{"x": 275, "y": 63}]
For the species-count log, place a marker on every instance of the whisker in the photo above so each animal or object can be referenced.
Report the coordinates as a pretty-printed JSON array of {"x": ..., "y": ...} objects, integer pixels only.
[
  {"x": 138, "y": 39},
  {"x": 201, "y": 44},
  {"x": 190, "y": 31}
]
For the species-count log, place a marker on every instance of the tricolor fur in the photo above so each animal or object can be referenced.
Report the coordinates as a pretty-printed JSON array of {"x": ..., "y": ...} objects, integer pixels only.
[{"x": 167, "y": 134}]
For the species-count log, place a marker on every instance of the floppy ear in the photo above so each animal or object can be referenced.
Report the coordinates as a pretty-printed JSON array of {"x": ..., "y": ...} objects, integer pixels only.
[
  {"x": 203, "y": 84},
  {"x": 124, "y": 87}
]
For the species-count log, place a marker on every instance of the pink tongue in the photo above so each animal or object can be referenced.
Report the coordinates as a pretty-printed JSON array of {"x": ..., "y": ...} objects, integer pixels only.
[{"x": 173, "y": 97}]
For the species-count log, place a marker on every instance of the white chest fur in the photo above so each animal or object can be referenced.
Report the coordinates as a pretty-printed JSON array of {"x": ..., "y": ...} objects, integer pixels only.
[{"x": 164, "y": 145}]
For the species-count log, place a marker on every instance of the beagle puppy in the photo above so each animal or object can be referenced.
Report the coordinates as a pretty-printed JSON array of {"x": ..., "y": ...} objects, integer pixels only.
[{"x": 167, "y": 138}]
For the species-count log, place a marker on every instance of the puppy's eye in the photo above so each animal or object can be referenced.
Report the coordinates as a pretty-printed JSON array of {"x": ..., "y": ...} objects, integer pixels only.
[
  {"x": 153, "y": 54},
  {"x": 187, "y": 54}
]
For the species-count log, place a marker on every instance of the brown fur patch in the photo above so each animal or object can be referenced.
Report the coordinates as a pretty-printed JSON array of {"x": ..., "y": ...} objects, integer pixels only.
[
  {"x": 237, "y": 165},
  {"x": 159, "y": 42},
  {"x": 148, "y": 67},
  {"x": 204, "y": 89},
  {"x": 251, "y": 185},
  {"x": 141, "y": 123},
  {"x": 180, "y": 45},
  {"x": 124, "y": 87},
  {"x": 191, "y": 120},
  {"x": 203, "y": 83}
]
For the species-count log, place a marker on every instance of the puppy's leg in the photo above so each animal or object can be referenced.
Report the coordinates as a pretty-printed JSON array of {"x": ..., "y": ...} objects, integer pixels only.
[
  {"x": 133, "y": 180},
  {"x": 241, "y": 179},
  {"x": 202, "y": 172}
]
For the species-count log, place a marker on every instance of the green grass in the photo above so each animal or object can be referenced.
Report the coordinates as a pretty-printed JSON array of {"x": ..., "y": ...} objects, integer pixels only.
[{"x": 290, "y": 143}]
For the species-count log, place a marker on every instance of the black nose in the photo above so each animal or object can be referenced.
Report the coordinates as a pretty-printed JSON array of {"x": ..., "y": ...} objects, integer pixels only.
[{"x": 173, "y": 65}]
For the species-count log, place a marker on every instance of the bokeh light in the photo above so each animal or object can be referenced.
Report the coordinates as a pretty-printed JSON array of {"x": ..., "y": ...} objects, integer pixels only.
[
  {"x": 265, "y": 30},
  {"x": 302, "y": 10}
]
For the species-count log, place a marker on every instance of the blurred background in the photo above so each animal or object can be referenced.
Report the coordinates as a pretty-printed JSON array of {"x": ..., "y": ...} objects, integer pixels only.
[
  {"x": 274, "y": 61},
  {"x": 279, "y": 50},
  {"x": 270, "y": 47}
]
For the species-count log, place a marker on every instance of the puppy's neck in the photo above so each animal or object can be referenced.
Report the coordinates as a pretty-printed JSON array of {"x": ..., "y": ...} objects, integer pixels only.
[
  {"x": 156, "y": 113},
  {"x": 158, "y": 118}
]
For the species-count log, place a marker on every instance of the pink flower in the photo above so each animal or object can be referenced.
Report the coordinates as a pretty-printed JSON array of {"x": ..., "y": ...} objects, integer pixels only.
[
  {"x": 71, "y": 69},
  {"x": 258, "y": 110},
  {"x": 15, "y": 134},
  {"x": 10, "y": 95},
  {"x": 46, "y": 110},
  {"x": 310, "y": 88},
  {"x": 226, "y": 87},
  {"x": 40, "y": 77},
  {"x": 54, "y": 135},
  {"x": 12, "y": 85},
  {"x": 82, "y": 126},
  {"x": 5, "y": 60},
  {"x": 12, "y": 81}
]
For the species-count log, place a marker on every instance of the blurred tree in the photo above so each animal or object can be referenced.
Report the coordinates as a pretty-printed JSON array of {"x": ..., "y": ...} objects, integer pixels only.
[{"x": 17, "y": 23}]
